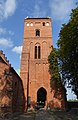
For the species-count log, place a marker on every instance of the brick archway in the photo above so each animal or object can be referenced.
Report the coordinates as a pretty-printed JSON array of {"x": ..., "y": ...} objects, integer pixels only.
[{"x": 41, "y": 96}]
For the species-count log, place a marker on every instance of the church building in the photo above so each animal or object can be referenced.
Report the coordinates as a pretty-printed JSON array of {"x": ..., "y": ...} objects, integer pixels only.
[{"x": 34, "y": 70}]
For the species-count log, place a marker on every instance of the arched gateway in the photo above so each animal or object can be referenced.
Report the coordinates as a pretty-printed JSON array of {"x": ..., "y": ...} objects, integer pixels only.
[
  {"x": 34, "y": 61},
  {"x": 41, "y": 96}
]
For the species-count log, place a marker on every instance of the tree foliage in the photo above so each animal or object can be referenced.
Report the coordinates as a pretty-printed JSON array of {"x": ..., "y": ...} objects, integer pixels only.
[
  {"x": 68, "y": 51},
  {"x": 55, "y": 80}
]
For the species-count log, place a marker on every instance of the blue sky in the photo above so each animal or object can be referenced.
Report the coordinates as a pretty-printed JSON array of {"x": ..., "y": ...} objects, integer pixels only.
[{"x": 12, "y": 14}]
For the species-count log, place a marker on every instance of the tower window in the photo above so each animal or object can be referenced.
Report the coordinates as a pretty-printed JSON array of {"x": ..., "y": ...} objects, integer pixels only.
[
  {"x": 47, "y": 24},
  {"x": 37, "y": 32},
  {"x": 27, "y": 24},
  {"x": 37, "y": 52},
  {"x": 31, "y": 24},
  {"x": 43, "y": 23}
]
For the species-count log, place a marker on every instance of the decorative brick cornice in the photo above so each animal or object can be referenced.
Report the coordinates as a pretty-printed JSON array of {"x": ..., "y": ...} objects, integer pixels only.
[{"x": 2, "y": 55}]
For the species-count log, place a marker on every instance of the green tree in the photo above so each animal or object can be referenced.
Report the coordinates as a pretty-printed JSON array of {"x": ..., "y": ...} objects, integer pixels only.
[
  {"x": 68, "y": 51},
  {"x": 55, "y": 81}
]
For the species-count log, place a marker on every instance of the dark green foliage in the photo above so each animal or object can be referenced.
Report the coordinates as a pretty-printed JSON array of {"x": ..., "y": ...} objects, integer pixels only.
[
  {"x": 68, "y": 51},
  {"x": 55, "y": 81}
]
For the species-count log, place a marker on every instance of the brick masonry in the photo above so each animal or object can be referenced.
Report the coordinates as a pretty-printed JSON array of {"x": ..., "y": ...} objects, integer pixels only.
[
  {"x": 38, "y": 69},
  {"x": 12, "y": 97}
]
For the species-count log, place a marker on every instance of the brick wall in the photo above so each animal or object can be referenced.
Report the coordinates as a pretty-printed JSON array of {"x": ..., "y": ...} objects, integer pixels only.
[
  {"x": 38, "y": 69},
  {"x": 11, "y": 88}
]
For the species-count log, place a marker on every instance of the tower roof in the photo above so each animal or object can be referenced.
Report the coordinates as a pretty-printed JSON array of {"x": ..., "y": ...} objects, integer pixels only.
[{"x": 37, "y": 18}]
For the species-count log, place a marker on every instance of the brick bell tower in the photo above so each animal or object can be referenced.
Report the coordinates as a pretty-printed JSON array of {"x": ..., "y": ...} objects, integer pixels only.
[{"x": 34, "y": 71}]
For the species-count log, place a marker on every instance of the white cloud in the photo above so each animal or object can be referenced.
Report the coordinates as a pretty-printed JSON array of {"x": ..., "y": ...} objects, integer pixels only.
[
  {"x": 61, "y": 9},
  {"x": 6, "y": 42},
  {"x": 17, "y": 49},
  {"x": 7, "y": 8},
  {"x": 2, "y": 30},
  {"x": 1, "y": 10},
  {"x": 5, "y": 31},
  {"x": 11, "y": 32},
  {"x": 10, "y": 6},
  {"x": 38, "y": 12}
]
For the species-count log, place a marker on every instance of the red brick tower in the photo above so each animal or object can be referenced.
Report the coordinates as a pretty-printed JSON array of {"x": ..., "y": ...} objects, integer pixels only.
[{"x": 34, "y": 63}]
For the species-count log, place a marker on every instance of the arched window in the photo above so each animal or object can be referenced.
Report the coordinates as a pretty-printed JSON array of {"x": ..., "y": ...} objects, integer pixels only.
[
  {"x": 37, "y": 52},
  {"x": 43, "y": 23},
  {"x": 37, "y": 32}
]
